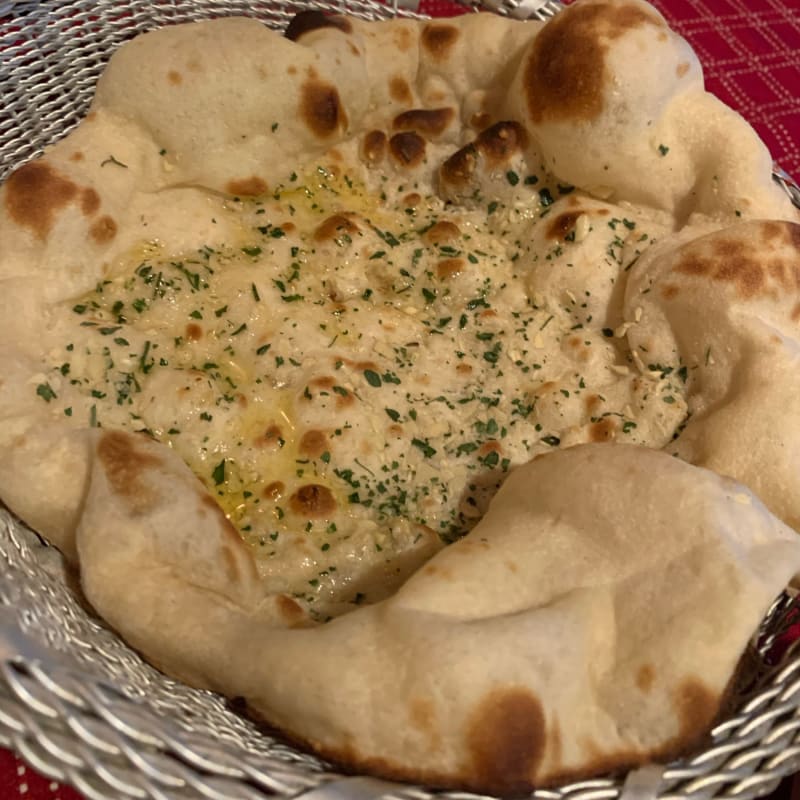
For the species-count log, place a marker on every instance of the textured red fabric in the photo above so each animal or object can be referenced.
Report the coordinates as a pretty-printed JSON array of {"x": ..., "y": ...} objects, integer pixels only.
[
  {"x": 750, "y": 51},
  {"x": 19, "y": 781},
  {"x": 440, "y": 8}
]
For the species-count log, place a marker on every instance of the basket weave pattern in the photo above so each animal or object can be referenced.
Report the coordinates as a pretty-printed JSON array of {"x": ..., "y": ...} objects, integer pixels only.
[{"x": 79, "y": 705}]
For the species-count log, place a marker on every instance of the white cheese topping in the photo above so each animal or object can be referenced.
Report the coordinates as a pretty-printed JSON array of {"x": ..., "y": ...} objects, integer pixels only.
[{"x": 353, "y": 366}]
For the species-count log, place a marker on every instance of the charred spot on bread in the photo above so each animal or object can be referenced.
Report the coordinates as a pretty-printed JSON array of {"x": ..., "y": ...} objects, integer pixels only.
[
  {"x": 307, "y": 21},
  {"x": 290, "y": 610},
  {"x": 313, "y": 501},
  {"x": 373, "y": 147},
  {"x": 344, "y": 398},
  {"x": 271, "y": 438},
  {"x": 361, "y": 365},
  {"x": 565, "y": 74},
  {"x": 193, "y": 332},
  {"x": 747, "y": 258},
  {"x": 125, "y": 466},
  {"x": 494, "y": 147},
  {"x": 696, "y": 706},
  {"x": 669, "y": 291},
  {"x": 313, "y": 443},
  {"x": 449, "y": 268},
  {"x": 35, "y": 193},
  {"x": 321, "y": 109},
  {"x": 407, "y": 149},
  {"x": 480, "y": 120},
  {"x": 247, "y": 187},
  {"x": 490, "y": 446},
  {"x": 491, "y": 149},
  {"x": 402, "y": 39},
  {"x": 103, "y": 230},
  {"x": 323, "y": 382},
  {"x": 774, "y": 231},
  {"x": 273, "y": 490},
  {"x": 459, "y": 168},
  {"x": 334, "y": 228},
  {"x": 442, "y": 231},
  {"x": 506, "y": 739},
  {"x": 90, "y": 201},
  {"x": 500, "y": 141},
  {"x": 429, "y": 122},
  {"x": 645, "y": 677},
  {"x": 422, "y": 715},
  {"x": 438, "y": 39},
  {"x": 562, "y": 225},
  {"x": 400, "y": 91},
  {"x": 793, "y": 234},
  {"x": 731, "y": 262},
  {"x": 604, "y": 430}
]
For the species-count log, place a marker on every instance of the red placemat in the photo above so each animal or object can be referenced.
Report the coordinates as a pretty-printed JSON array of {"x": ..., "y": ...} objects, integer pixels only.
[
  {"x": 18, "y": 780},
  {"x": 750, "y": 53}
]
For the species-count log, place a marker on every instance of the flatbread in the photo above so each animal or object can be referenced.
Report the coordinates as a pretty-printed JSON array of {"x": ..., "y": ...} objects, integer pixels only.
[
  {"x": 724, "y": 309},
  {"x": 549, "y": 643},
  {"x": 282, "y": 314}
]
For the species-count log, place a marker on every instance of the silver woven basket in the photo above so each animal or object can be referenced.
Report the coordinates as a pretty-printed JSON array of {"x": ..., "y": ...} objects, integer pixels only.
[{"x": 84, "y": 709}]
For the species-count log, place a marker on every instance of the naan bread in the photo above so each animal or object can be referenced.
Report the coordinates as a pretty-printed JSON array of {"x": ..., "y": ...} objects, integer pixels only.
[
  {"x": 615, "y": 100},
  {"x": 724, "y": 309},
  {"x": 591, "y": 621},
  {"x": 282, "y": 314}
]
